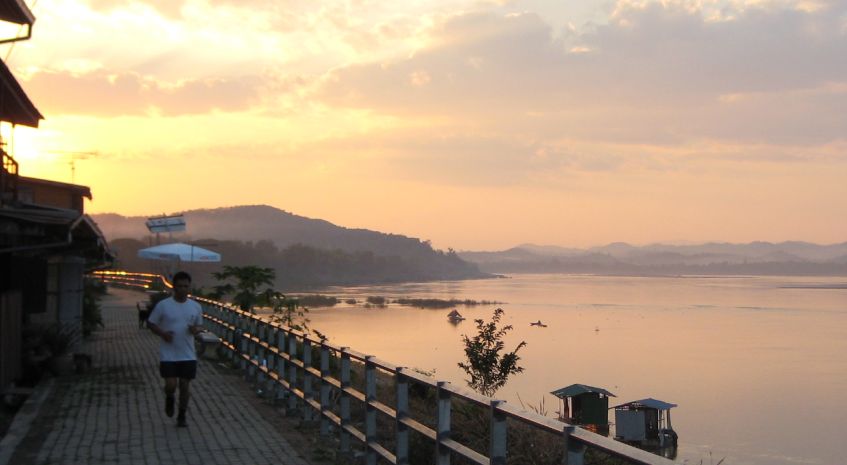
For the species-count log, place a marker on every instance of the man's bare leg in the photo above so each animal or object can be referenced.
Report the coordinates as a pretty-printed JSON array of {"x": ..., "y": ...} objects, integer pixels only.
[
  {"x": 170, "y": 389},
  {"x": 183, "y": 400}
]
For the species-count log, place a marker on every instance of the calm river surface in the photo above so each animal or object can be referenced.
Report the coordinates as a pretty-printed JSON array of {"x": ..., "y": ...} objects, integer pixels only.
[{"x": 758, "y": 365}]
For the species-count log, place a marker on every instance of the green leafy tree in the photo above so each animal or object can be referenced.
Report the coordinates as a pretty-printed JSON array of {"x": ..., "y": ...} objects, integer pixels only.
[
  {"x": 248, "y": 280},
  {"x": 219, "y": 291},
  {"x": 487, "y": 368}
]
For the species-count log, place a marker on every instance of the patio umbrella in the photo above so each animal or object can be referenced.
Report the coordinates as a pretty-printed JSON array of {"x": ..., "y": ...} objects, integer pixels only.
[{"x": 181, "y": 252}]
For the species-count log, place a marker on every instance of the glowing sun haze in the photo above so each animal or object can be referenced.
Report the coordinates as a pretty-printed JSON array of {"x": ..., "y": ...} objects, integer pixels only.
[{"x": 476, "y": 124}]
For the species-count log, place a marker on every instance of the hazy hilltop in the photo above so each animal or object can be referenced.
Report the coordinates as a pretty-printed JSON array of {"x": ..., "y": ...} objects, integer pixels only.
[
  {"x": 305, "y": 252},
  {"x": 262, "y": 222},
  {"x": 784, "y": 258}
]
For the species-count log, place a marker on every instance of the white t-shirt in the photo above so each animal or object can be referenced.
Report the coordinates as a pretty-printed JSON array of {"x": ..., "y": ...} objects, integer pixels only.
[{"x": 170, "y": 315}]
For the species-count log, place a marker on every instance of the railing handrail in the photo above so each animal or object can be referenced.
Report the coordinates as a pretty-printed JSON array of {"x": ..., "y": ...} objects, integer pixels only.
[{"x": 238, "y": 321}]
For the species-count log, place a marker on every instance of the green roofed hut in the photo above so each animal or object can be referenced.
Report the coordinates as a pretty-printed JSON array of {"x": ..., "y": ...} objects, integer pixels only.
[
  {"x": 645, "y": 422},
  {"x": 586, "y": 406}
]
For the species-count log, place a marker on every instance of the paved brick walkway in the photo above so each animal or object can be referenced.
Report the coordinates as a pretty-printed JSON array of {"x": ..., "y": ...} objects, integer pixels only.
[{"x": 114, "y": 414}]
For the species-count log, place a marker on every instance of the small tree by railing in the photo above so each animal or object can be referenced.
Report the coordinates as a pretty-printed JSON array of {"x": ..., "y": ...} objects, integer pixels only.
[
  {"x": 287, "y": 310},
  {"x": 248, "y": 281},
  {"x": 487, "y": 367}
]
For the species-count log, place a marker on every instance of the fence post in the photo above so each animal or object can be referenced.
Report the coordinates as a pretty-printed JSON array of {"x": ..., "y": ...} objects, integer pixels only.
[
  {"x": 442, "y": 454},
  {"x": 242, "y": 345},
  {"x": 345, "y": 400},
  {"x": 233, "y": 335},
  {"x": 261, "y": 359},
  {"x": 280, "y": 368},
  {"x": 370, "y": 410},
  {"x": 230, "y": 334},
  {"x": 273, "y": 361},
  {"x": 325, "y": 407},
  {"x": 250, "y": 375},
  {"x": 574, "y": 453},
  {"x": 280, "y": 339},
  {"x": 497, "y": 447},
  {"x": 260, "y": 349},
  {"x": 254, "y": 348},
  {"x": 292, "y": 371},
  {"x": 402, "y": 431},
  {"x": 307, "y": 379},
  {"x": 264, "y": 380}
]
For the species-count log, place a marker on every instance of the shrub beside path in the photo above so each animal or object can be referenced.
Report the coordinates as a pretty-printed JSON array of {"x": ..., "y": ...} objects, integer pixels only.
[{"x": 114, "y": 414}]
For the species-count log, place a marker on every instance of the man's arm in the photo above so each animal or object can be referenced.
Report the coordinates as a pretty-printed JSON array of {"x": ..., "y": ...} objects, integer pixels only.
[
  {"x": 153, "y": 323},
  {"x": 197, "y": 327},
  {"x": 167, "y": 336}
]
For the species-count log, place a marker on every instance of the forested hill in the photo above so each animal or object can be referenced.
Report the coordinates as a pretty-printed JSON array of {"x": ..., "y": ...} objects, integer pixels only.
[
  {"x": 304, "y": 252},
  {"x": 261, "y": 222}
]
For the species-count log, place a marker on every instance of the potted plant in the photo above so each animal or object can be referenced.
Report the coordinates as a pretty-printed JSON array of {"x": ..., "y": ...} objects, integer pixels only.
[{"x": 57, "y": 343}]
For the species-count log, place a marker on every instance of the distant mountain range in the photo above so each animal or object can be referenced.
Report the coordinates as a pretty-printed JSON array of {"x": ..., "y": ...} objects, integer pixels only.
[
  {"x": 326, "y": 254},
  {"x": 784, "y": 258}
]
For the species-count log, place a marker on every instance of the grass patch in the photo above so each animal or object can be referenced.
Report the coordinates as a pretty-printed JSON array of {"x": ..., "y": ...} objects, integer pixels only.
[
  {"x": 317, "y": 300},
  {"x": 442, "y": 303}
]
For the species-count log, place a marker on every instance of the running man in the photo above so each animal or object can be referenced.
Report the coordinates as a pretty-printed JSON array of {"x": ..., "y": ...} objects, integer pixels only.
[{"x": 176, "y": 320}]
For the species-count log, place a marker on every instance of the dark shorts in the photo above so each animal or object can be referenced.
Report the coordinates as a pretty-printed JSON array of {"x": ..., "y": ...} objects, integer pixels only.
[{"x": 186, "y": 369}]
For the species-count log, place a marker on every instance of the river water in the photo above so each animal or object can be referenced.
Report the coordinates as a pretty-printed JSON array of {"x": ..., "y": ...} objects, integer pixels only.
[{"x": 757, "y": 365}]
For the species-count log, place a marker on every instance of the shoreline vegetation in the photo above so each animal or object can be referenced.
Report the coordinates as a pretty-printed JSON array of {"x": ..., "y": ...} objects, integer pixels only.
[
  {"x": 321, "y": 300},
  {"x": 310, "y": 268},
  {"x": 441, "y": 303}
]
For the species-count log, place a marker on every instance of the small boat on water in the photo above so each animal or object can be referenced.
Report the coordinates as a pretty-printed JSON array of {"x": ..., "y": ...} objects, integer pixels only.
[
  {"x": 455, "y": 316},
  {"x": 538, "y": 323}
]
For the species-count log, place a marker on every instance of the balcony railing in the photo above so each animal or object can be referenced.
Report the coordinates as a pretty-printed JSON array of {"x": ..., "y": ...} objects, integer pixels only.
[{"x": 8, "y": 179}]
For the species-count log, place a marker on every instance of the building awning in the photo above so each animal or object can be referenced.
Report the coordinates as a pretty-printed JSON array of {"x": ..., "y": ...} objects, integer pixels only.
[
  {"x": 577, "y": 389},
  {"x": 15, "y": 106},
  {"x": 78, "y": 189},
  {"x": 40, "y": 215},
  {"x": 648, "y": 403},
  {"x": 16, "y": 11},
  {"x": 32, "y": 229}
]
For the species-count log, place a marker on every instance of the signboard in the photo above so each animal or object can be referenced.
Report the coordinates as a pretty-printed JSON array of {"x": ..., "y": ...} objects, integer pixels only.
[{"x": 162, "y": 224}]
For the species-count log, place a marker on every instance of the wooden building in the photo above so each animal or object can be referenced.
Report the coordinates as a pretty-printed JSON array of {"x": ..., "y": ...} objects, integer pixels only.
[
  {"x": 645, "y": 422},
  {"x": 585, "y": 405},
  {"x": 46, "y": 240}
]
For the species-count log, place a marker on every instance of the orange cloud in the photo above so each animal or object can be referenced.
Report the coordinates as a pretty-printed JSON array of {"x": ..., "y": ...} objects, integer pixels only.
[
  {"x": 663, "y": 77},
  {"x": 103, "y": 94}
]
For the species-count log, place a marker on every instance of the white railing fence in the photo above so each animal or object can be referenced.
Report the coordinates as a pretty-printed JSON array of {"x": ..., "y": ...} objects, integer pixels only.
[{"x": 391, "y": 413}]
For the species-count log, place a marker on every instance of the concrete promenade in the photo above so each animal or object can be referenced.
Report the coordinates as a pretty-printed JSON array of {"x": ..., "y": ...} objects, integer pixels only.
[{"x": 114, "y": 414}]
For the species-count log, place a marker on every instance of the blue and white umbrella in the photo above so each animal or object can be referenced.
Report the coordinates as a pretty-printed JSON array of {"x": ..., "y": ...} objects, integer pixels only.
[{"x": 181, "y": 252}]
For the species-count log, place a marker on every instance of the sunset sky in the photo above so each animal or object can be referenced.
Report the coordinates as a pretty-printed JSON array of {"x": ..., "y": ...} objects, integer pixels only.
[{"x": 475, "y": 124}]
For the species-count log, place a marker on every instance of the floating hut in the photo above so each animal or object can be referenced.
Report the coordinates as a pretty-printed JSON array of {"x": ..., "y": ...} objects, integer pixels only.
[
  {"x": 586, "y": 406},
  {"x": 645, "y": 422}
]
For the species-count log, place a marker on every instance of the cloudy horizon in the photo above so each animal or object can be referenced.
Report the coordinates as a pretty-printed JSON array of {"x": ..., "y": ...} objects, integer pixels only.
[{"x": 475, "y": 124}]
